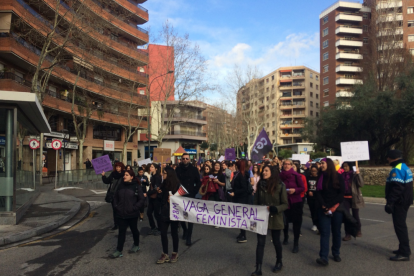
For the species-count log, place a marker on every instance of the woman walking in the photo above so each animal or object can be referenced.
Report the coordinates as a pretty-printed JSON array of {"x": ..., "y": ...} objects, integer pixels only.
[
  {"x": 127, "y": 201},
  {"x": 311, "y": 180},
  {"x": 271, "y": 192},
  {"x": 329, "y": 194},
  {"x": 254, "y": 180},
  {"x": 353, "y": 197},
  {"x": 294, "y": 187},
  {"x": 154, "y": 203},
  {"x": 169, "y": 187},
  {"x": 114, "y": 180}
]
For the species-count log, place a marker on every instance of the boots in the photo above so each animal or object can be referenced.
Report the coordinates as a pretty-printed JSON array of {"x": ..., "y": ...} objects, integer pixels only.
[
  {"x": 347, "y": 238},
  {"x": 258, "y": 271},
  {"x": 286, "y": 240},
  {"x": 278, "y": 267}
]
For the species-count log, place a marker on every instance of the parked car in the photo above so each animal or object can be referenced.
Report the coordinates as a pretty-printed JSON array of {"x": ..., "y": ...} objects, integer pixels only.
[{"x": 317, "y": 160}]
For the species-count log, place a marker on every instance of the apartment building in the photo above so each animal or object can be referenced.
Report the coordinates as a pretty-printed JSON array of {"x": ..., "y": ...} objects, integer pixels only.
[
  {"x": 281, "y": 101},
  {"x": 107, "y": 73},
  {"x": 220, "y": 127}
]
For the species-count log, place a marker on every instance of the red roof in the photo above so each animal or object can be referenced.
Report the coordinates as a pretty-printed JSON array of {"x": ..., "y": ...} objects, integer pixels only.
[{"x": 180, "y": 150}]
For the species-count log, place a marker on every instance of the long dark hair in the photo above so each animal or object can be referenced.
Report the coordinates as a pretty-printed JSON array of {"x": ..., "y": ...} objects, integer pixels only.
[
  {"x": 214, "y": 169},
  {"x": 157, "y": 169},
  {"x": 204, "y": 169},
  {"x": 171, "y": 183},
  {"x": 241, "y": 166},
  {"x": 131, "y": 173},
  {"x": 332, "y": 174},
  {"x": 119, "y": 164},
  {"x": 274, "y": 179},
  {"x": 258, "y": 169}
]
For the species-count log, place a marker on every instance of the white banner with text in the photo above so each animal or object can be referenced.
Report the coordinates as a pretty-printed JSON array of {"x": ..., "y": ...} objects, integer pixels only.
[{"x": 252, "y": 218}]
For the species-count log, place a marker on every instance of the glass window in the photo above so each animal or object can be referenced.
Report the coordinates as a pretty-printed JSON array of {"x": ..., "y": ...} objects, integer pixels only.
[
  {"x": 311, "y": 104},
  {"x": 325, "y": 19},
  {"x": 411, "y": 23},
  {"x": 325, "y": 44},
  {"x": 325, "y": 56},
  {"x": 365, "y": 39},
  {"x": 326, "y": 103},
  {"x": 326, "y": 92},
  {"x": 325, "y": 32},
  {"x": 325, "y": 80},
  {"x": 410, "y": 10},
  {"x": 325, "y": 68},
  {"x": 311, "y": 75},
  {"x": 410, "y": 38}
]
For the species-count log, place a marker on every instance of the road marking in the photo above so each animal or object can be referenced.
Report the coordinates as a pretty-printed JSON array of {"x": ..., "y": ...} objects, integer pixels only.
[
  {"x": 98, "y": 192},
  {"x": 373, "y": 220}
]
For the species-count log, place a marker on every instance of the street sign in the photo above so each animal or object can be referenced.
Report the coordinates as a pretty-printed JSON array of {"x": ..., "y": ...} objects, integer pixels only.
[
  {"x": 56, "y": 144},
  {"x": 305, "y": 149},
  {"x": 34, "y": 144}
]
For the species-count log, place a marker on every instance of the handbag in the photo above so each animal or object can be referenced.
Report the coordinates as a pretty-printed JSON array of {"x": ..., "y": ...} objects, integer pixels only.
[
  {"x": 110, "y": 194},
  {"x": 203, "y": 189}
]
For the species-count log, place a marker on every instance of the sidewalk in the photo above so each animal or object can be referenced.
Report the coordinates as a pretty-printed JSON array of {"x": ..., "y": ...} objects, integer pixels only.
[{"x": 49, "y": 211}]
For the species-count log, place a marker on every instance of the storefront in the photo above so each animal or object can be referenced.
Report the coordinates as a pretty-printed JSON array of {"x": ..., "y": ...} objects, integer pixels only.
[{"x": 192, "y": 153}]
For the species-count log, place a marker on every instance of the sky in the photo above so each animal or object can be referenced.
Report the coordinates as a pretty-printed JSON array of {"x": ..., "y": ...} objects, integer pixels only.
[{"x": 267, "y": 34}]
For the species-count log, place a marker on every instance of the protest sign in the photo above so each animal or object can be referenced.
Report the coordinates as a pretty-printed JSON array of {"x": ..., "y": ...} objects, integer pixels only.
[
  {"x": 220, "y": 159},
  {"x": 162, "y": 155},
  {"x": 102, "y": 164},
  {"x": 252, "y": 218},
  {"x": 144, "y": 162},
  {"x": 355, "y": 151},
  {"x": 230, "y": 154},
  {"x": 303, "y": 158},
  {"x": 261, "y": 147},
  {"x": 339, "y": 158}
]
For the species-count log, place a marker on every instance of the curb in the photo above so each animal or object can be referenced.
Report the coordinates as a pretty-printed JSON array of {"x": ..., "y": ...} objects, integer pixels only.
[
  {"x": 377, "y": 200},
  {"x": 41, "y": 229}
]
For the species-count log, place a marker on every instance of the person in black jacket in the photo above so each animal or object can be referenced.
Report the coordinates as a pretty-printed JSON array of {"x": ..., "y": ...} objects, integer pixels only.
[
  {"x": 154, "y": 203},
  {"x": 127, "y": 201},
  {"x": 330, "y": 189},
  {"x": 190, "y": 179},
  {"x": 88, "y": 164},
  {"x": 143, "y": 180},
  {"x": 114, "y": 179},
  {"x": 169, "y": 187},
  {"x": 240, "y": 191},
  {"x": 312, "y": 178}
]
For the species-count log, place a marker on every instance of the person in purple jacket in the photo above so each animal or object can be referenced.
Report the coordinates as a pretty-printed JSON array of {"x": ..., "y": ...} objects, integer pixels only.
[{"x": 294, "y": 187}]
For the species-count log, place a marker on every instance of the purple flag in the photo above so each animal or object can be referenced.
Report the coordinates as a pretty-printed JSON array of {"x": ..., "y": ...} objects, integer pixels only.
[
  {"x": 261, "y": 147},
  {"x": 230, "y": 154}
]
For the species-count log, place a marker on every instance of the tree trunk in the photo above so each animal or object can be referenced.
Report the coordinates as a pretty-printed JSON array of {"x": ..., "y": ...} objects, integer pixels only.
[
  {"x": 79, "y": 165},
  {"x": 124, "y": 153}
]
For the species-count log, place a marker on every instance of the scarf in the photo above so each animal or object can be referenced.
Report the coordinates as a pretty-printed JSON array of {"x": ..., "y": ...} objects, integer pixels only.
[
  {"x": 348, "y": 181},
  {"x": 319, "y": 185},
  {"x": 284, "y": 175}
]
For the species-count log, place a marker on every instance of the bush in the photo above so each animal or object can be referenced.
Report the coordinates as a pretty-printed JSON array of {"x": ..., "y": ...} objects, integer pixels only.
[
  {"x": 284, "y": 154},
  {"x": 319, "y": 154}
]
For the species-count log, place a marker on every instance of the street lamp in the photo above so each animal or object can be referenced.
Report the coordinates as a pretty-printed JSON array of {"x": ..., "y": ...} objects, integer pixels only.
[
  {"x": 148, "y": 102},
  {"x": 67, "y": 137}
]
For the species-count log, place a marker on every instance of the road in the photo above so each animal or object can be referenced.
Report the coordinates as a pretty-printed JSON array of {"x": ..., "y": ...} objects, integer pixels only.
[{"x": 84, "y": 250}]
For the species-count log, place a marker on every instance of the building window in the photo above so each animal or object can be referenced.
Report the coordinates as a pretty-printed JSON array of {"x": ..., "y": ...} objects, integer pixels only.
[
  {"x": 325, "y": 44},
  {"x": 326, "y": 69},
  {"x": 273, "y": 132},
  {"x": 317, "y": 96},
  {"x": 410, "y": 10},
  {"x": 411, "y": 23},
  {"x": 410, "y": 38},
  {"x": 325, "y": 56},
  {"x": 317, "y": 114},
  {"x": 412, "y": 51},
  {"x": 267, "y": 80},
  {"x": 325, "y": 32},
  {"x": 311, "y": 94},
  {"x": 317, "y": 105},
  {"x": 273, "y": 87},
  {"x": 273, "y": 77},
  {"x": 311, "y": 75},
  {"x": 326, "y": 92},
  {"x": 325, "y": 19},
  {"x": 317, "y": 77},
  {"x": 311, "y": 113},
  {"x": 311, "y": 85},
  {"x": 365, "y": 39},
  {"x": 273, "y": 114},
  {"x": 365, "y": 16},
  {"x": 267, "y": 125},
  {"x": 267, "y": 89},
  {"x": 325, "y": 80},
  {"x": 273, "y": 105},
  {"x": 326, "y": 103},
  {"x": 311, "y": 104},
  {"x": 317, "y": 87},
  {"x": 273, "y": 123}
]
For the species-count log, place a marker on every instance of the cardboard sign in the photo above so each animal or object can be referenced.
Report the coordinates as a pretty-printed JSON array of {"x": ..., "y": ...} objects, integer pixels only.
[
  {"x": 339, "y": 158},
  {"x": 162, "y": 155},
  {"x": 144, "y": 162},
  {"x": 102, "y": 164},
  {"x": 355, "y": 151},
  {"x": 221, "y": 159},
  {"x": 303, "y": 158},
  {"x": 252, "y": 218}
]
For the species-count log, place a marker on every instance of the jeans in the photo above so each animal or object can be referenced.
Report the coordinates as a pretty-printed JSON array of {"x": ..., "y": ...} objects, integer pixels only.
[
  {"x": 261, "y": 241},
  {"x": 326, "y": 224},
  {"x": 355, "y": 212},
  {"x": 164, "y": 236},
  {"x": 399, "y": 217},
  {"x": 153, "y": 207},
  {"x": 123, "y": 225}
]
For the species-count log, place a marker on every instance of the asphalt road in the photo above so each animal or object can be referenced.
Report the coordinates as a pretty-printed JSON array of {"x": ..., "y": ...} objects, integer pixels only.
[{"x": 84, "y": 250}]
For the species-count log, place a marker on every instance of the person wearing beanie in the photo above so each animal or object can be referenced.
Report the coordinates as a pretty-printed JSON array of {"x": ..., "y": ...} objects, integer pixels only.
[{"x": 399, "y": 196}]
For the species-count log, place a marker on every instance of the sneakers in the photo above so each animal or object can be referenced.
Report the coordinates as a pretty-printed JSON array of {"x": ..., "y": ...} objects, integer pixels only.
[
  {"x": 174, "y": 257},
  {"x": 154, "y": 232},
  {"x": 164, "y": 259},
  {"x": 242, "y": 239},
  {"x": 322, "y": 262},
  {"x": 314, "y": 228},
  {"x": 116, "y": 254},
  {"x": 134, "y": 249},
  {"x": 347, "y": 238},
  {"x": 337, "y": 258}
]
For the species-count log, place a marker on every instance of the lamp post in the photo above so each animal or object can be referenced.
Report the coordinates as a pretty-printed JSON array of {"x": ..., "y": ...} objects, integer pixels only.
[
  {"x": 67, "y": 137},
  {"x": 149, "y": 110}
]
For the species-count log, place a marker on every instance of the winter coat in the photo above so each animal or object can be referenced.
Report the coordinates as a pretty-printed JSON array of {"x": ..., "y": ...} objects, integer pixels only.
[
  {"x": 279, "y": 201},
  {"x": 88, "y": 164},
  {"x": 165, "y": 204},
  {"x": 190, "y": 178},
  {"x": 240, "y": 187},
  {"x": 128, "y": 200},
  {"x": 357, "y": 198},
  {"x": 155, "y": 183},
  {"x": 145, "y": 184},
  {"x": 293, "y": 180},
  {"x": 228, "y": 180},
  {"x": 330, "y": 196},
  {"x": 399, "y": 186}
]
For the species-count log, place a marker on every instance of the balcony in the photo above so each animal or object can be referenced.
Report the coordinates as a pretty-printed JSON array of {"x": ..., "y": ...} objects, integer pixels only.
[
  {"x": 285, "y": 126},
  {"x": 390, "y": 4},
  {"x": 390, "y": 18},
  {"x": 343, "y": 16},
  {"x": 392, "y": 45},
  {"x": 346, "y": 68},
  {"x": 390, "y": 32},
  {"x": 348, "y": 30},
  {"x": 349, "y": 43},
  {"x": 283, "y": 135},
  {"x": 344, "y": 94},
  {"x": 299, "y": 96},
  {"x": 201, "y": 120},
  {"x": 287, "y": 106},
  {"x": 138, "y": 11},
  {"x": 190, "y": 135},
  {"x": 348, "y": 55},
  {"x": 298, "y": 115},
  {"x": 286, "y": 115},
  {"x": 284, "y": 87},
  {"x": 348, "y": 81}
]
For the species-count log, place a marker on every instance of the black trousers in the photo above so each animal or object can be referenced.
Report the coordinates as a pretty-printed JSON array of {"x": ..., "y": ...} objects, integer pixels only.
[
  {"x": 294, "y": 214},
  {"x": 164, "y": 236},
  {"x": 355, "y": 212},
  {"x": 188, "y": 230},
  {"x": 261, "y": 241},
  {"x": 399, "y": 217},
  {"x": 313, "y": 209},
  {"x": 114, "y": 214},
  {"x": 153, "y": 207},
  {"x": 123, "y": 225}
]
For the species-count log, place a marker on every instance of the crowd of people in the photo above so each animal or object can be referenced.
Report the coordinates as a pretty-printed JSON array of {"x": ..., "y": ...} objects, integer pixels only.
[{"x": 331, "y": 192}]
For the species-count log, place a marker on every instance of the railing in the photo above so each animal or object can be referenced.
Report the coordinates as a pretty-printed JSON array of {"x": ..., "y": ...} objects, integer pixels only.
[
  {"x": 189, "y": 117},
  {"x": 349, "y": 26},
  {"x": 138, "y": 5},
  {"x": 189, "y": 133},
  {"x": 349, "y": 39},
  {"x": 76, "y": 177},
  {"x": 13, "y": 76}
]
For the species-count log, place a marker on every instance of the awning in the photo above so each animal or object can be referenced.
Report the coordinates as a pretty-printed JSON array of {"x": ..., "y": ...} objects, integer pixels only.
[
  {"x": 179, "y": 152},
  {"x": 285, "y": 80},
  {"x": 285, "y": 71}
]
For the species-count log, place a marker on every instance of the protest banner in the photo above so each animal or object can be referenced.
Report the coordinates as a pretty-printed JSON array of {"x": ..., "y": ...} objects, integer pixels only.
[
  {"x": 162, "y": 155},
  {"x": 102, "y": 164},
  {"x": 252, "y": 218},
  {"x": 144, "y": 162},
  {"x": 303, "y": 158},
  {"x": 230, "y": 154},
  {"x": 355, "y": 151},
  {"x": 221, "y": 159},
  {"x": 261, "y": 147}
]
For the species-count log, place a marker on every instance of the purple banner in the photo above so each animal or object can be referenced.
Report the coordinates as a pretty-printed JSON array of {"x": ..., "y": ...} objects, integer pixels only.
[
  {"x": 230, "y": 154},
  {"x": 102, "y": 164},
  {"x": 261, "y": 147}
]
